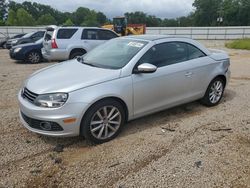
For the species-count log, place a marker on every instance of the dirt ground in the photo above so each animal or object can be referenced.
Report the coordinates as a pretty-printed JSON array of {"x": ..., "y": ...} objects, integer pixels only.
[{"x": 187, "y": 146}]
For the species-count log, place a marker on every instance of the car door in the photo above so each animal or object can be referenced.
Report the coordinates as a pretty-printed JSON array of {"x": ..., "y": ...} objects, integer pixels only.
[
  {"x": 201, "y": 67},
  {"x": 169, "y": 85},
  {"x": 90, "y": 38}
]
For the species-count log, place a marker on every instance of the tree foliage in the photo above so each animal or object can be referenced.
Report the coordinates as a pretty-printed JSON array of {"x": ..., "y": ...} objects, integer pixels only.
[
  {"x": 24, "y": 18},
  {"x": 3, "y": 10},
  {"x": 68, "y": 22},
  {"x": 46, "y": 19}
]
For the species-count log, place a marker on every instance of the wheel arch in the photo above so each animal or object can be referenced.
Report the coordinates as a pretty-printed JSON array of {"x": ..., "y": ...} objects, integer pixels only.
[
  {"x": 109, "y": 98},
  {"x": 223, "y": 77},
  {"x": 74, "y": 50},
  {"x": 34, "y": 50}
]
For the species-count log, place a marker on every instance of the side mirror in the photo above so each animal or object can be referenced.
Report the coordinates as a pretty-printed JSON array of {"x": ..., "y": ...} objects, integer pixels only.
[{"x": 146, "y": 68}]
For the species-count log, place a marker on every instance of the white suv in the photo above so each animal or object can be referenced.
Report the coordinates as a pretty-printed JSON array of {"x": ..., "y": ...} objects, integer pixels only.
[{"x": 62, "y": 43}]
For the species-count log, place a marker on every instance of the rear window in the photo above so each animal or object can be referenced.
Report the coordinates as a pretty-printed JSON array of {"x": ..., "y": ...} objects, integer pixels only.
[
  {"x": 66, "y": 33},
  {"x": 49, "y": 35}
]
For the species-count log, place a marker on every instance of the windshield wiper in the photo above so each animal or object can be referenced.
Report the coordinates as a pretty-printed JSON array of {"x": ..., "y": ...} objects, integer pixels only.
[{"x": 90, "y": 64}]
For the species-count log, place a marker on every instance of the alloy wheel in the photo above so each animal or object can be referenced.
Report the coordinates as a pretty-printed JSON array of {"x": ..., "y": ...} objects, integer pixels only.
[
  {"x": 216, "y": 91},
  {"x": 34, "y": 57},
  {"x": 105, "y": 122}
]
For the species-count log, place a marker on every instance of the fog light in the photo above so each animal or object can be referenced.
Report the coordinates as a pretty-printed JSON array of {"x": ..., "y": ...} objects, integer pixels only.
[{"x": 46, "y": 126}]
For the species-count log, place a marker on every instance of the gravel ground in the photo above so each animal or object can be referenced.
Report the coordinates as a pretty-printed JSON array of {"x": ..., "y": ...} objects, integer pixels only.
[{"x": 187, "y": 146}]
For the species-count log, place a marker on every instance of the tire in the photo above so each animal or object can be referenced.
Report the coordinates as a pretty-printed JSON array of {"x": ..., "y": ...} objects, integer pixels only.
[
  {"x": 33, "y": 57},
  {"x": 97, "y": 127},
  {"x": 76, "y": 54},
  {"x": 214, "y": 93}
]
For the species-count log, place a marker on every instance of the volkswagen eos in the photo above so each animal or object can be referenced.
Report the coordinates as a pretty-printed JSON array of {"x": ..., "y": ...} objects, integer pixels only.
[{"x": 123, "y": 79}]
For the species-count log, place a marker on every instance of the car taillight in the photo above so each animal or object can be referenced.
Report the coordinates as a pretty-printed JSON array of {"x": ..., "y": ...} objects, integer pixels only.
[{"x": 53, "y": 43}]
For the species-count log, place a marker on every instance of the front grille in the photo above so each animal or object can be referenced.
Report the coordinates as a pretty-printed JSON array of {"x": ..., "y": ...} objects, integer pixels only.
[
  {"x": 38, "y": 124},
  {"x": 30, "y": 96}
]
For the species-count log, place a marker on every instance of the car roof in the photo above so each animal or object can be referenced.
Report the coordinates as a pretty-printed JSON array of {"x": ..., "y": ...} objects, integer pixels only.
[
  {"x": 54, "y": 27},
  {"x": 152, "y": 37}
]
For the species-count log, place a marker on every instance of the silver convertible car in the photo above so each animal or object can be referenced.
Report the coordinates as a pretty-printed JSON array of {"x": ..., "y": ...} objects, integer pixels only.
[{"x": 123, "y": 79}]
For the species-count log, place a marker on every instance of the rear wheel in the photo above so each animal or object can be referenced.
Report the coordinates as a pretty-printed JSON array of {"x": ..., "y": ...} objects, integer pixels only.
[
  {"x": 214, "y": 93},
  {"x": 74, "y": 55},
  {"x": 33, "y": 57},
  {"x": 103, "y": 121}
]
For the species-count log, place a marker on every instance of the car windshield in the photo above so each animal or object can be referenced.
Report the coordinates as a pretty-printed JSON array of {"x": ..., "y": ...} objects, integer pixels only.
[
  {"x": 39, "y": 41},
  {"x": 114, "y": 54},
  {"x": 28, "y": 35}
]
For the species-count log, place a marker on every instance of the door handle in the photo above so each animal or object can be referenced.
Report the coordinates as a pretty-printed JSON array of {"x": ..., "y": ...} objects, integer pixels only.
[{"x": 188, "y": 74}]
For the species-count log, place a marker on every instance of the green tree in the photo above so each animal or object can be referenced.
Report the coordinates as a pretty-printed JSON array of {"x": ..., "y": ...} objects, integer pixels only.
[
  {"x": 244, "y": 12},
  {"x": 46, "y": 19},
  {"x": 79, "y": 16},
  {"x": 12, "y": 20},
  {"x": 230, "y": 13},
  {"x": 3, "y": 10},
  {"x": 68, "y": 22},
  {"x": 24, "y": 18},
  {"x": 91, "y": 20},
  {"x": 101, "y": 18},
  {"x": 207, "y": 12},
  {"x": 136, "y": 17}
]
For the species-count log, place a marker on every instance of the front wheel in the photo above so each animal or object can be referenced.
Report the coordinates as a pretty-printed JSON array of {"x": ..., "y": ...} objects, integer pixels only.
[
  {"x": 33, "y": 57},
  {"x": 103, "y": 121},
  {"x": 214, "y": 93}
]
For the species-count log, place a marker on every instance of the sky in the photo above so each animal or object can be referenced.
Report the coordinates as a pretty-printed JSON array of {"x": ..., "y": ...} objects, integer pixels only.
[{"x": 112, "y": 8}]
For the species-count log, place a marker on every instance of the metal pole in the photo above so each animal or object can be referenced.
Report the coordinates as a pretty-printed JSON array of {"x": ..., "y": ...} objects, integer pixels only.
[{"x": 244, "y": 31}]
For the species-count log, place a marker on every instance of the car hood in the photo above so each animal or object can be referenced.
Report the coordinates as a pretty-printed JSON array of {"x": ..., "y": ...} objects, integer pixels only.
[
  {"x": 67, "y": 77},
  {"x": 26, "y": 44}
]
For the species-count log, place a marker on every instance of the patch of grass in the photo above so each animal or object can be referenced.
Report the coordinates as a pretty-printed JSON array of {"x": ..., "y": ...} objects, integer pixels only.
[{"x": 243, "y": 44}]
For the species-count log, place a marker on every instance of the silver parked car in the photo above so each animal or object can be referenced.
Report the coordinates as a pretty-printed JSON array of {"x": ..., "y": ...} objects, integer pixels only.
[
  {"x": 123, "y": 79},
  {"x": 63, "y": 43}
]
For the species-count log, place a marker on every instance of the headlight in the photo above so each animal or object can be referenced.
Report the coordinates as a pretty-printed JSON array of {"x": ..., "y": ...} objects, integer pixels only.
[
  {"x": 17, "y": 50},
  {"x": 54, "y": 100},
  {"x": 14, "y": 41}
]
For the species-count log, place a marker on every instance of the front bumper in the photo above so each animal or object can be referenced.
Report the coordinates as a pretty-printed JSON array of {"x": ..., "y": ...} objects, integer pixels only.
[
  {"x": 16, "y": 56},
  {"x": 55, "y": 115}
]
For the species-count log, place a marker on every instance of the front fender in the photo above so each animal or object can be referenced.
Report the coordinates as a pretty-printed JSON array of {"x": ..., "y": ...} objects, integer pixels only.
[{"x": 120, "y": 88}]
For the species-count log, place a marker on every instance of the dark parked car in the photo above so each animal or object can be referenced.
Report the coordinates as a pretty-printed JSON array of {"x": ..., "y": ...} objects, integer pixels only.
[
  {"x": 30, "y": 52},
  {"x": 9, "y": 42},
  {"x": 3, "y": 40},
  {"x": 29, "y": 38}
]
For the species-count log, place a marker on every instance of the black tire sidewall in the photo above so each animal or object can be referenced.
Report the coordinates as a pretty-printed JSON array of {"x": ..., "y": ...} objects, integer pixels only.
[
  {"x": 74, "y": 55},
  {"x": 205, "y": 100},
  {"x": 85, "y": 124}
]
